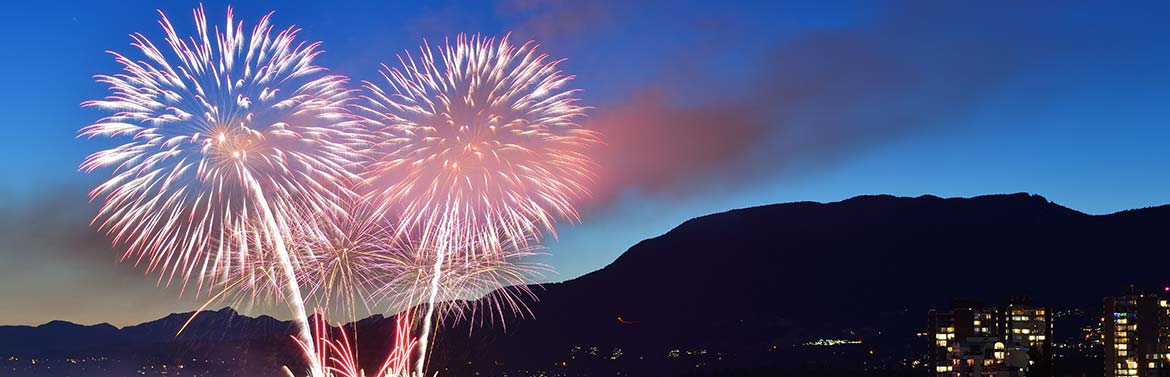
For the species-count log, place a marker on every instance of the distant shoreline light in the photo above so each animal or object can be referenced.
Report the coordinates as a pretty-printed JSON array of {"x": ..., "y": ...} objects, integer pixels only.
[{"x": 830, "y": 342}]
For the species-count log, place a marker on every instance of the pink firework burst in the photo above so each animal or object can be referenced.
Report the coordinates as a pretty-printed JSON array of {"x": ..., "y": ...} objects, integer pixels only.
[
  {"x": 477, "y": 142},
  {"x": 477, "y": 150},
  {"x": 229, "y": 143}
]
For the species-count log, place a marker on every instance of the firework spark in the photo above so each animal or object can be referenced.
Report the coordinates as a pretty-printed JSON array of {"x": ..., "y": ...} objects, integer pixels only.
[
  {"x": 474, "y": 289},
  {"x": 358, "y": 265},
  {"x": 482, "y": 141},
  {"x": 338, "y": 355},
  {"x": 360, "y": 262},
  {"x": 477, "y": 151},
  {"x": 398, "y": 361},
  {"x": 229, "y": 146},
  {"x": 341, "y": 266}
]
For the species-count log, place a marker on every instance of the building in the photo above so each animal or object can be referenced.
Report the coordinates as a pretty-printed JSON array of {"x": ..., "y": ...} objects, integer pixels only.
[
  {"x": 1029, "y": 327},
  {"x": 1136, "y": 329},
  {"x": 972, "y": 340},
  {"x": 948, "y": 327},
  {"x": 988, "y": 357}
]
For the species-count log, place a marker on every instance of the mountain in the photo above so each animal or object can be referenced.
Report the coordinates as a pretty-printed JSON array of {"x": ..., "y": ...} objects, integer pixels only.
[
  {"x": 46, "y": 338},
  {"x": 744, "y": 290},
  {"x": 209, "y": 326},
  {"x": 753, "y": 282},
  {"x": 215, "y": 343}
]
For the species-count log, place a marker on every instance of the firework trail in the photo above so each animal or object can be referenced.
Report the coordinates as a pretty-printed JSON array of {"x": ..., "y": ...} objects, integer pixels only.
[
  {"x": 342, "y": 266},
  {"x": 230, "y": 146},
  {"x": 477, "y": 151},
  {"x": 476, "y": 288},
  {"x": 397, "y": 362},
  {"x": 338, "y": 356},
  {"x": 360, "y": 262},
  {"x": 338, "y": 263}
]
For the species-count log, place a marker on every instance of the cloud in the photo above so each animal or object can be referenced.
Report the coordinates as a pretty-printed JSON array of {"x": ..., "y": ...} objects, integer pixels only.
[
  {"x": 555, "y": 22},
  {"x": 58, "y": 268},
  {"x": 50, "y": 218},
  {"x": 806, "y": 100},
  {"x": 813, "y": 98},
  {"x": 657, "y": 145}
]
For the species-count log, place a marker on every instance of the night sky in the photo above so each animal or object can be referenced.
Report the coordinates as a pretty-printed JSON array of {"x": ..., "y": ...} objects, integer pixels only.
[{"x": 705, "y": 107}]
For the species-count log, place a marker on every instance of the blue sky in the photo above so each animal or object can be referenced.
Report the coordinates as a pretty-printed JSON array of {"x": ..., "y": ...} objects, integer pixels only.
[{"x": 706, "y": 106}]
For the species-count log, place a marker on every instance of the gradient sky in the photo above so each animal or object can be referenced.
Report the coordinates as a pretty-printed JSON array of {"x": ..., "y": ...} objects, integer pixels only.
[{"x": 705, "y": 107}]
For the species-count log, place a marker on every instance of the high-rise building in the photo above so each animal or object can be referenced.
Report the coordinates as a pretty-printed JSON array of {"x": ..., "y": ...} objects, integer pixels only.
[
  {"x": 973, "y": 340},
  {"x": 949, "y": 327},
  {"x": 1136, "y": 329},
  {"x": 1029, "y": 327},
  {"x": 988, "y": 357}
]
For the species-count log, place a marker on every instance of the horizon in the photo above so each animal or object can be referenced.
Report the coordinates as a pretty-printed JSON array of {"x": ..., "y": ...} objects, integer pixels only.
[
  {"x": 858, "y": 251},
  {"x": 252, "y": 313},
  {"x": 705, "y": 108}
]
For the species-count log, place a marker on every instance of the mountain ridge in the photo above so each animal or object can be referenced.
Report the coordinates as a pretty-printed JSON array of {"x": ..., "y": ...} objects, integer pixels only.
[{"x": 743, "y": 283}]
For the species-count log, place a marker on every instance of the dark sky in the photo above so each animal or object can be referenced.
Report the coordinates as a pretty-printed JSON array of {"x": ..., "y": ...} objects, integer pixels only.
[{"x": 705, "y": 106}]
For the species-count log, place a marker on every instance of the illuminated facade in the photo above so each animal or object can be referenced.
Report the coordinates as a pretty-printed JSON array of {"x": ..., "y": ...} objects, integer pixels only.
[
  {"x": 950, "y": 327},
  {"x": 1136, "y": 328},
  {"x": 1030, "y": 328},
  {"x": 970, "y": 340},
  {"x": 987, "y": 357}
]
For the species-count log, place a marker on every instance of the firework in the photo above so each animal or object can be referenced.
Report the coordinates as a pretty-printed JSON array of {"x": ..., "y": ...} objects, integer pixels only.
[
  {"x": 476, "y": 289},
  {"x": 341, "y": 266},
  {"x": 480, "y": 143},
  {"x": 360, "y": 262},
  {"x": 477, "y": 150},
  {"x": 338, "y": 355},
  {"x": 229, "y": 148}
]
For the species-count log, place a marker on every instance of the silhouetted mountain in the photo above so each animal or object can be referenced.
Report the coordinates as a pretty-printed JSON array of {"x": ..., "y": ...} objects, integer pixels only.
[
  {"x": 214, "y": 343},
  {"x": 744, "y": 289},
  {"x": 47, "y": 338},
  {"x": 222, "y": 325},
  {"x": 751, "y": 280}
]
